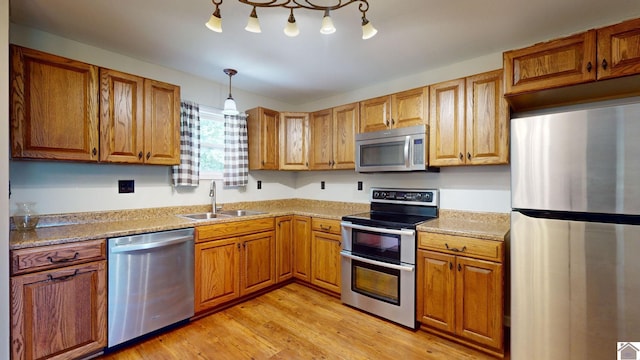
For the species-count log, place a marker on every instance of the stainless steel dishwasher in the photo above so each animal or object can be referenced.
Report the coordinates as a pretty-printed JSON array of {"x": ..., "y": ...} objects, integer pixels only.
[{"x": 150, "y": 283}]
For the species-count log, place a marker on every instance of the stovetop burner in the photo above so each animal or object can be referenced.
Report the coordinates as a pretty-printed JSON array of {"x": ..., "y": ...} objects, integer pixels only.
[{"x": 398, "y": 208}]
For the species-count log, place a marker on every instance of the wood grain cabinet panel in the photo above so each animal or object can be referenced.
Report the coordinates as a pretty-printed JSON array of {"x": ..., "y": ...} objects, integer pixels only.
[
  {"x": 460, "y": 295},
  {"x": 406, "y": 108},
  {"x": 59, "y": 313},
  {"x": 263, "y": 127},
  {"x": 619, "y": 50},
  {"x": 447, "y": 127},
  {"x": 54, "y": 107},
  {"x": 302, "y": 247},
  {"x": 294, "y": 141},
  {"x": 121, "y": 117},
  {"x": 321, "y": 140},
  {"x": 332, "y": 138},
  {"x": 161, "y": 123},
  {"x": 375, "y": 114},
  {"x": 326, "y": 243},
  {"x": 284, "y": 247},
  {"x": 217, "y": 277},
  {"x": 258, "y": 262}
]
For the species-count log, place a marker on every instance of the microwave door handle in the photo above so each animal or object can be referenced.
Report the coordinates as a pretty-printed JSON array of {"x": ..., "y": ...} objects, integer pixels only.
[{"x": 407, "y": 142}]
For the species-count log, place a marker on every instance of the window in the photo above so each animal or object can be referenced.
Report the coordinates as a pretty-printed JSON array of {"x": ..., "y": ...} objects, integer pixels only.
[{"x": 211, "y": 143}]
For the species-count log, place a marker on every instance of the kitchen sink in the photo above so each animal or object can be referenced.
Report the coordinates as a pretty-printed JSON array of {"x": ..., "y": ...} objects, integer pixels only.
[
  {"x": 221, "y": 214},
  {"x": 240, "y": 212},
  {"x": 205, "y": 216}
]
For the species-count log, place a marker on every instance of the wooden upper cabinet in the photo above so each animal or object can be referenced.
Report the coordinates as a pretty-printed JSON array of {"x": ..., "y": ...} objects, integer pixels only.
[
  {"x": 294, "y": 141},
  {"x": 447, "y": 125},
  {"x": 619, "y": 49},
  {"x": 263, "y": 132},
  {"x": 410, "y": 107},
  {"x": 332, "y": 138},
  {"x": 406, "y": 108},
  {"x": 54, "y": 107},
  {"x": 487, "y": 120},
  {"x": 345, "y": 128},
  {"x": 561, "y": 62},
  {"x": 321, "y": 140},
  {"x": 161, "y": 123},
  {"x": 375, "y": 114},
  {"x": 121, "y": 117}
]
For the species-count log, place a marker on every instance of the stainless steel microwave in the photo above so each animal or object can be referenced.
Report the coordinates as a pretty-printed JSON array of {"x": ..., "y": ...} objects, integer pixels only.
[{"x": 401, "y": 149}]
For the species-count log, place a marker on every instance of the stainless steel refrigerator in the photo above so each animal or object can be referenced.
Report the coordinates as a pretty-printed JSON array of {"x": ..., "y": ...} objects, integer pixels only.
[{"x": 575, "y": 231}]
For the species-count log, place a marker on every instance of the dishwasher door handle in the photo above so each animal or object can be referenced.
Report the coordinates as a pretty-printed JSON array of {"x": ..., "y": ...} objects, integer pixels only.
[{"x": 150, "y": 245}]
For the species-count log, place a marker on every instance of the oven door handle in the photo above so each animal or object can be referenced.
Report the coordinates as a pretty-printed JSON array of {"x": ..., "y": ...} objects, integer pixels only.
[
  {"x": 347, "y": 254},
  {"x": 379, "y": 230}
]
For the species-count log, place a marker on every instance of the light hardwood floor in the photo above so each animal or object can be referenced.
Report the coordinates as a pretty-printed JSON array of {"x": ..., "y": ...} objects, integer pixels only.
[{"x": 294, "y": 322}]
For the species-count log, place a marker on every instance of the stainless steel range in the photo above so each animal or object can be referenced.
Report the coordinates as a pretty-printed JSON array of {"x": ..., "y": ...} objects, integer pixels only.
[{"x": 379, "y": 253}]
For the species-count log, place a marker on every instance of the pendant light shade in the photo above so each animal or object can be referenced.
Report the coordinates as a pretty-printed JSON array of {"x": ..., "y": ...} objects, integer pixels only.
[
  {"x": 291, "y": 30},
  {"x": 327, "y": 24},
  {"x": 215, "y": 21},
  {"x": 230, "y": 104},
  {"x": 368, "y": 31},
  {"x": 253, "y": 25}
]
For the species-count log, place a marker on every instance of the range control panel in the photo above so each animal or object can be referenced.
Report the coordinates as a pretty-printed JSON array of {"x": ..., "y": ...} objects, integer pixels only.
[{"x": 423, "y": 196}]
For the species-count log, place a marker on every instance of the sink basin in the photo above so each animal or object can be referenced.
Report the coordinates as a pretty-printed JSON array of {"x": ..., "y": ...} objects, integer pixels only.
[
  {"x": 240, "y": 212},
  {"x": 204, "y": 216}
]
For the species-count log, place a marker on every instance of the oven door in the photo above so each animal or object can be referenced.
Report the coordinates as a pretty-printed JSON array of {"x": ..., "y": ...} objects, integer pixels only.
[
  {"x": 388, "y": 245},
  {"x": 383, "y": 289}
]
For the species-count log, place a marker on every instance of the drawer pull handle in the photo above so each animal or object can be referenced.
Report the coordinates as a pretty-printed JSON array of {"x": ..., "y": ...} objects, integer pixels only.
[
  {"x": 455, "y": 249},
  {"x": 325, "y": 228},
  {"x": 63, "y": 260},
  {"x": 62, "y": 278}
]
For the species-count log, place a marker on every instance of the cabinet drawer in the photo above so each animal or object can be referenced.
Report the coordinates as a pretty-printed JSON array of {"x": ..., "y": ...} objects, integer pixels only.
[
  {"x": 460, "y": 245},
  {"x": 325, "y": 225},
  {"x": 53, "y": 256},
  {"x": 235, "y": 228}
]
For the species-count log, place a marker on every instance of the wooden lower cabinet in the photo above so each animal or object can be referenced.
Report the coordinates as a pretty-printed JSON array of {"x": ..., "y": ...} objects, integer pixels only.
[
  {"x": 284, "y": 248},
  {"x": 461, "y": 297},
  {"x": 59, "y": 313},
  {"x": 302, "y": 248},
  {"x": 326, "y": 242},
  {"x": 231, "y": 261}
]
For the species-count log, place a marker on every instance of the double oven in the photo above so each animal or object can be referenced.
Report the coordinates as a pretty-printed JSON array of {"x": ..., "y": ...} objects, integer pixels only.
[{"x": 379, "y": 253}]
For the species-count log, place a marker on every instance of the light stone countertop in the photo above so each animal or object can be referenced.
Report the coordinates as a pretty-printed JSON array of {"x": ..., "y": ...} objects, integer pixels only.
[
  {"x": 487, "y": 226},
  {"x": 66, "y": 228}
]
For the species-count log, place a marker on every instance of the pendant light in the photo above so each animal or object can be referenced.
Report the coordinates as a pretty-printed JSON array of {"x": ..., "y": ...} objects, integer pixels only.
[{"x": 230, "y": 104}]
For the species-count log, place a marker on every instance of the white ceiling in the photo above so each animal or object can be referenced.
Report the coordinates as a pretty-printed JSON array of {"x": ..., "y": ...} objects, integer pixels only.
[{"x": 413, "y": 36}]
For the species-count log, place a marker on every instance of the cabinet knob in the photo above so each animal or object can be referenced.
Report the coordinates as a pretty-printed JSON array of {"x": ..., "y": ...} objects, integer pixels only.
[
  {"x": 459, "y": 267},
  {"x": 469, "y": 155},
  {"x": 393, "y": 122},
  {"x": 461, "y": 157},
  {"x": 589, "y": 66},
  {"x": 140, "y": 155},
  {"x": 604, "y": 64},
  {"x": 94, "y": 151},
  {"x": 450, "y": 265},
  {"x": 148, "y": 155},
  {"x": 238, "y": 246}
]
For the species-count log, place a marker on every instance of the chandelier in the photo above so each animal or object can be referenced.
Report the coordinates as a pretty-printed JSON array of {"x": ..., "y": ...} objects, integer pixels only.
[{"x": 291, "y": 28}]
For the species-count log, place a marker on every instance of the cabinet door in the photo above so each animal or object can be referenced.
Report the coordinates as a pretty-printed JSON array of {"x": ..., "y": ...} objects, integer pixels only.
[
  {"x": 121, "y": 117},
  {"x": 302, "y": 248},
  {"x": 217, "y": 278},
  {"x": 294, "y": 141},
  {"x": 258, "y": 262},
  {"x": 479, "y": 305},
  {"x": 447, "y": 123},
  {"x": 263, "y": 132},
  {"x": 409, "y": 108},
  {"x": 161, "y": 123},
  {"x": 567, "y": 61},
  {"x": 619, "y": 50},
  {"x": 59, "y": 313},
  {"x": 436, "y": 287},
  {"x": 325, "y": 266},
  {"x": 487, "y": 138},
  {"x": 345, "y": 127},
  {"x": 375, "y": 114},
  {"x": 284, "y": 248},
  {"x": 321, "y": 140},
  {"x": 54, "y": 107}
]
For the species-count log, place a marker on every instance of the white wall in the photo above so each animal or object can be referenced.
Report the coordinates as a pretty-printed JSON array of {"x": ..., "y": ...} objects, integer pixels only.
[
  {"x": 4, "y": 179},
  {"x": 60, "y": 187}
]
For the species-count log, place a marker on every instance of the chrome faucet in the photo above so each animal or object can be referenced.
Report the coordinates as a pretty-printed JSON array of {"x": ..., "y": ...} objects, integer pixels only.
[{"x": 212, "y": 195}]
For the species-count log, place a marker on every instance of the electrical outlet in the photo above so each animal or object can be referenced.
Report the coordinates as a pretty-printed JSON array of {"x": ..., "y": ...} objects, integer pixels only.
[
  {"x": 322, "y": 185},
  {"x": 259, "y": 184},
  {"x": 125, "y": 186},
  {"x": 360, "y": 185}
]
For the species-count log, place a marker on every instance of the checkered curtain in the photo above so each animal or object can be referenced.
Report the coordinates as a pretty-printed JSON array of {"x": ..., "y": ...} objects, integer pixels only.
[
  {"x": 236, "y": 151},
  {"x": 188, "y": 172}
]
